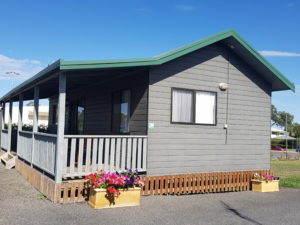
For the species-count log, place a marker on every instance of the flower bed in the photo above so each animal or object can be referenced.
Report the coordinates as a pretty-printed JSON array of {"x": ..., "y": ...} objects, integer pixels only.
[
  {"x": 265, "y": 183},
  {"x": 114, "y": 189}
]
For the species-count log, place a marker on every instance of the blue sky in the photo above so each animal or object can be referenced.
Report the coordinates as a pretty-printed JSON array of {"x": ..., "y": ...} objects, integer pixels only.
[{"x": 36, "y": 33}]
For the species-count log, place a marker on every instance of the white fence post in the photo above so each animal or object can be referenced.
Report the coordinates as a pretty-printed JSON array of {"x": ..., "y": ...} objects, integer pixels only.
[
  {"x": 35, "y": 119},
  {"x": 20, "y": 121},
  {"x": 1, "y": 121},
  {"x": 9, "y": 126},
  {"x": 60, "y": 146}
]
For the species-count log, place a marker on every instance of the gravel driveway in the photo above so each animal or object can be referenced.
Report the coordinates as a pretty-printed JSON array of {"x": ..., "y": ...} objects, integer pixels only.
[
  {"x": 279, "y": 154},
  {"x": 19, "y": 205}
]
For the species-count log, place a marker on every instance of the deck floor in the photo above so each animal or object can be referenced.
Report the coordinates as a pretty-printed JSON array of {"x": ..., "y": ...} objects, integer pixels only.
[{"x": 20, "y": 205}]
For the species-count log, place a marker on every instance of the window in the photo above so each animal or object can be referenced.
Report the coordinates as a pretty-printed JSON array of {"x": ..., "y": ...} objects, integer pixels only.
[
  {"x": 80, "y": 117},
  {"x": 54, "y": 114},
  {"x": 193, "y": 106},
  {"x": 121, "y": 111}
]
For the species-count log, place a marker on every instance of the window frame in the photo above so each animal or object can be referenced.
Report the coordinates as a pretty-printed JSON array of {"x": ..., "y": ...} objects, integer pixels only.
[
  {"x": 129, "y": 107},
  {"x": 193, "y": 106}
]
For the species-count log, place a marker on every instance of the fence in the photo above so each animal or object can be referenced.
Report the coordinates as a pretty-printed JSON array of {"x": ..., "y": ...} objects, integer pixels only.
[
  {"x": 199, "y": 183},
  {"x": 86, "y": 154},
  {"x": 4, "y": 139},
  {"x": 38, "y": 149}
]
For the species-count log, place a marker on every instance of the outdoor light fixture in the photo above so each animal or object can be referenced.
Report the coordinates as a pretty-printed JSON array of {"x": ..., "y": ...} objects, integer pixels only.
[{"x": 223, "y": 86}]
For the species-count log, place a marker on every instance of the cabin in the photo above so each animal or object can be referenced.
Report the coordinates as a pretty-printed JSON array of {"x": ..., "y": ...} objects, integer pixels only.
[{"x": 200, "y": 112}]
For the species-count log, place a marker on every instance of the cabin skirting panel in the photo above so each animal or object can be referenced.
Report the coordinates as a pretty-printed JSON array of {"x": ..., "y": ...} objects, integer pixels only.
[
  {"x": 65, "y": 192},
  {"x": 76, "y": 191},
  {"x": 200, "y": 183}
]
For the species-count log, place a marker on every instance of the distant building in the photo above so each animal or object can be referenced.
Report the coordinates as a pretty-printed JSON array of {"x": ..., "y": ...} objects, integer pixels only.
[
  {"x": 277, "y": 133},
  {"x": 28, "y": 115}
]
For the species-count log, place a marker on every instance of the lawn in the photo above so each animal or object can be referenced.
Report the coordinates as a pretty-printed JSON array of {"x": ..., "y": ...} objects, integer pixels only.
[{"x": 288, "y": 171}]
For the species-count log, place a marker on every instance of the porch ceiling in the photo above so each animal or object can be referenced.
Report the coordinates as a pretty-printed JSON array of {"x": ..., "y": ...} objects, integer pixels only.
[{"x": 79, "y": 79}]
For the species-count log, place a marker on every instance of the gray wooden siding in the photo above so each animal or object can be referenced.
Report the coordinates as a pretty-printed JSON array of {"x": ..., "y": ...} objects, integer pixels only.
[
  {"x": 177, "y": 148},
  {"x": 98, "y": 106}
]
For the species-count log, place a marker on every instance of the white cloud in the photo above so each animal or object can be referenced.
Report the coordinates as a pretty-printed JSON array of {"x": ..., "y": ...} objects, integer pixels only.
[
  {"x": 278, "y": 53},
  {"x": 24, "y": 67},
  {"x": 143, "y": 9},
  {"x": 185, "y": 7}
]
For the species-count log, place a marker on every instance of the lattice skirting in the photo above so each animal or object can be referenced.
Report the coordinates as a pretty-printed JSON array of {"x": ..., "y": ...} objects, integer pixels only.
[
  {"x": 200, "y": 183},
  {"x": 76, "y": 191},
  {"x": 69, "y": 191}
]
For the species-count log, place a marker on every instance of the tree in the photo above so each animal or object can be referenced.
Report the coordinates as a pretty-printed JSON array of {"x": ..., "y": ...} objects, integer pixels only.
[{"x": 279, "y": 118}]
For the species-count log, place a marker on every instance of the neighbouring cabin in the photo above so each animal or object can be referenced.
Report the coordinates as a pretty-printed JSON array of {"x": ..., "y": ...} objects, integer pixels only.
[{"x": 200, "y": 109}]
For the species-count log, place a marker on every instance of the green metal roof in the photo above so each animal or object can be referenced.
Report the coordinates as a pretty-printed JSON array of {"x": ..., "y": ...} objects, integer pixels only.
[{"x": 271, "y": 71}]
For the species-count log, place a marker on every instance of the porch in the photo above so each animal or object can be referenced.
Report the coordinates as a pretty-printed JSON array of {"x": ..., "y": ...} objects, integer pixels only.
[{"x": 75, "y": 145}]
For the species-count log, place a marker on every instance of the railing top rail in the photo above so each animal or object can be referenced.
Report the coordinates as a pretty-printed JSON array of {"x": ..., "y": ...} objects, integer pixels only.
[
  {"x": 105, "y": 136},
  {"x": 45, "y": 134},
  {"x": 25, "y": 132}
]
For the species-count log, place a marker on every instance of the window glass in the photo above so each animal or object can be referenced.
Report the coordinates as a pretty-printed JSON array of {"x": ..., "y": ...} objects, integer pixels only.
[
  {"x": 80, "y": 119},
  {"x": 195, "y": 107},
  {"x": 121, "y": 111},
  {"x": 182, "y": 106},
  {"x": 205, "y": 107},
  {"x": 125, "y": 111}
]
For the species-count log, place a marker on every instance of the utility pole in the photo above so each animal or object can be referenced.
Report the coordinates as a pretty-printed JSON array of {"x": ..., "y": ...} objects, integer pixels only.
[
  {"x": 14, "y": 73},
  {"x": 286, "y": 141}
]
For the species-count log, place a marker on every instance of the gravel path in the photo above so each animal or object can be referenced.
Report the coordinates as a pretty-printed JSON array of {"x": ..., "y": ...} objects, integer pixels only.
[{"x": 19, "y": 205}]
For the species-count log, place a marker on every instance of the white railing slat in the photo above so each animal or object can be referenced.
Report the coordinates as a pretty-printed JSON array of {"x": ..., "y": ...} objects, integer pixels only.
[
  {"x": 112, "y": 155},
  {"x": 123, "y": 154},
  {"x": 144, "y": 153},
  {"x": 72, "y": 156},
  {"x": 80, "y": 156},
  {"x": 88, "y": 155},
  {"x": 128, "y": 156},
  {"x": 118, "y": 149},
  {"x": 94, "y": 159},
  {"x": 100, "y": 154},
  {"x": 106, "y": 153},
  {"x": 139, "y": 154},
  {"x": 134, "y": 153}
]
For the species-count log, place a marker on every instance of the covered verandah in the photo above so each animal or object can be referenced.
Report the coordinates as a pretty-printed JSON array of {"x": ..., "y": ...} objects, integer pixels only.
[{"x": 62, "y": 152}]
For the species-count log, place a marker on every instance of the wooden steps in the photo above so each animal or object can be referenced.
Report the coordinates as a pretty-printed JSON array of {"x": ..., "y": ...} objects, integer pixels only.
[{"x": 8, "y": 159}]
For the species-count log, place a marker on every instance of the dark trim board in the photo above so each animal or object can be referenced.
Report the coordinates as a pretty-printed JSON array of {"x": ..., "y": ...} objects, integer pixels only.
[{"x": 194, "y": 107}]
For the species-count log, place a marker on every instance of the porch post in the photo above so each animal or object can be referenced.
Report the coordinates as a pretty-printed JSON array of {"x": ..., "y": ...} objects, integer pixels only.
[
  {"x": 1, "y": 121},
  {"x": 3, "y": 116},
  {"x": 60, "y": 146},
  {"x": 36, "y": 109},
  {"x": 35, "y": 119},
  {"x": 20, "y": 120},
  {"x": 9, "y": 125}
]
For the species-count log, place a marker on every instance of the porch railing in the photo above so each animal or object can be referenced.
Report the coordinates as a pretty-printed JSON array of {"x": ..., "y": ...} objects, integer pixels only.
[
  {"x": 4, "y": 139},
  {"x": 44, "y": 152},
  {"x": 86, "y": 154},
  {"x": 39, "y": 149},
  {"x": 25, "y": 145}
]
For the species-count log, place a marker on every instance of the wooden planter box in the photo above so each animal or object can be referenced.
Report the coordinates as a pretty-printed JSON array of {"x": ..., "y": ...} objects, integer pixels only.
[
  {"x": 99, "y": 198},
  {"x": 263, "y": 186}
]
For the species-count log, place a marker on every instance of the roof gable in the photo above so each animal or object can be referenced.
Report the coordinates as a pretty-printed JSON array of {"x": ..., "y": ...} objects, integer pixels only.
[{"x": 229, "y": 38}]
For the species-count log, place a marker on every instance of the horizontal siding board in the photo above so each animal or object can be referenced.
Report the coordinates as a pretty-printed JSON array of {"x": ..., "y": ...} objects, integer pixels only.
[{"x": 181, "y": 148}]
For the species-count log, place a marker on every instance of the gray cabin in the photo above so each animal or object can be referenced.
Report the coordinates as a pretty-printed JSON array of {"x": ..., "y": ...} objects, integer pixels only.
[{"x": 201, "y": 108}]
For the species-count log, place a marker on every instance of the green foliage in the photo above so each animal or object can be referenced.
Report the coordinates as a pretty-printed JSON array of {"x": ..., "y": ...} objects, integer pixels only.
[
  {"x": 41, "y": 197},
  {"x": 288, "y": 171},
  {"x": 291, "y": 182},
  {"x": 279, "y": 117}
]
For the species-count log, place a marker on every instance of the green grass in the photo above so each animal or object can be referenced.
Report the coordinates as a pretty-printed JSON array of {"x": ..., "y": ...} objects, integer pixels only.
[{"x": 288, "y": 171}]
